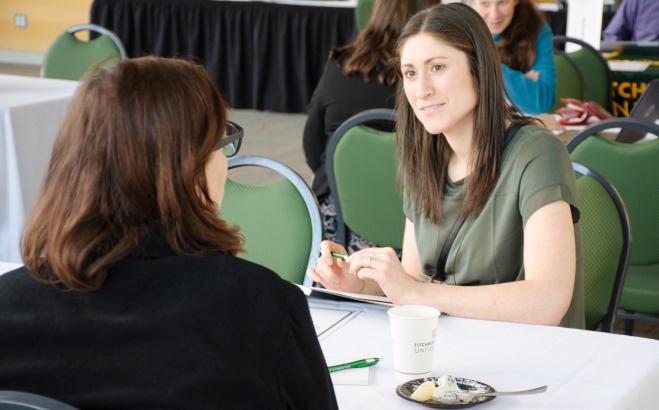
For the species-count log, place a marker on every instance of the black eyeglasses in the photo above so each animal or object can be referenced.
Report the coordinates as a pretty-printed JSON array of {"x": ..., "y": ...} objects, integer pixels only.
[{"x": 231, "y": 142}]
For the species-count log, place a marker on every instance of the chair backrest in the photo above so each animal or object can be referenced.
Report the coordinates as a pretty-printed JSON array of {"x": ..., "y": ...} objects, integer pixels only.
[
  {"x": 361, "y": 171},
  {"x": 280, "y": 221},
  {"x": 569, "y": 80},
  {"x": 14, "y": 400},
  {"x": 363, "y": 13},
  {"x": 634, "y": 170},
  {"x": 68, "y": 58},
  {"x": 594, "y": 69},
  {"x": 606, "y": 239}
]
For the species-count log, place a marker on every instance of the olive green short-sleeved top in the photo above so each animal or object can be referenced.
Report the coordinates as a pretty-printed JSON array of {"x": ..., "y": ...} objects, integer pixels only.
[{"x": 536, "y": 170}]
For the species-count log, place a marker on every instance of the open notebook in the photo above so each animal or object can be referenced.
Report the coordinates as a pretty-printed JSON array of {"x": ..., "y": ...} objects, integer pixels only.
[{"x": 322, "y": 293}]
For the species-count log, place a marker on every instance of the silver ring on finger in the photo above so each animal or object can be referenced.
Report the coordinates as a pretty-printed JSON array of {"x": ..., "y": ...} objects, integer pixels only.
[{"x": 368, "y": 265}]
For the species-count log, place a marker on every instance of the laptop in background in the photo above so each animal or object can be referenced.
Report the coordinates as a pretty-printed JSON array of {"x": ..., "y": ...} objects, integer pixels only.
[{"x": 646, "y": 108}]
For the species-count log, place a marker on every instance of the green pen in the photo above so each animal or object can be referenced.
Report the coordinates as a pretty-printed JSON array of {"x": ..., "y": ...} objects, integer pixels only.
[
  {"x": 342, "y": 256},
  {"x": 355, "y": 364}
]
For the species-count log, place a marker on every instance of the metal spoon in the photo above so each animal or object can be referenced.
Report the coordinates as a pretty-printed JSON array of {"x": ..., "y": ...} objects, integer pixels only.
[{"x": 464, "y": 397}]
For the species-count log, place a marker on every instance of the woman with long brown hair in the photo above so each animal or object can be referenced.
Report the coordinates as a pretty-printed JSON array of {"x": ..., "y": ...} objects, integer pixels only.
[
  {"x": 131, "y": 295},
  {"x": 525, "y": 44},
  {"x": 490, "y": 196}
]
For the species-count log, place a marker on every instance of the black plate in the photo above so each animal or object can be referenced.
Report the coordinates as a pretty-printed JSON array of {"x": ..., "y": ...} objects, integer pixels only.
[{"x": 405, "y": 391}]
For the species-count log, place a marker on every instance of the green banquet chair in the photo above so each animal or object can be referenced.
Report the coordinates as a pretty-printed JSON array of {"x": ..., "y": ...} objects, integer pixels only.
[
  {"x": 633, "y": 170},
  {"x": 606, "y": 239},
  {"x": 593, "y": 69},
  {"x": 68, "y": 58},
  {"x": 363, "y": 11},
  {"x": 569, "y": 80},
  {"x": 361, "y": 171},
  {"x": 280, "y": 219}
]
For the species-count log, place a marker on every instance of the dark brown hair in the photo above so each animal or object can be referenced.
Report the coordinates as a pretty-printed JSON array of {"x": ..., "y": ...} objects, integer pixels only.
[
  {"x": 374, "y": 45},
  {"x": 517, "y": 42},
  {"x": 130, "y": 154},
  {"x": 423, "y": 157}
]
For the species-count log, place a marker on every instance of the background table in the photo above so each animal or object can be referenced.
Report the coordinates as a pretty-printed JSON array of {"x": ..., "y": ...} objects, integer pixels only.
[
  {"x": 265, "y": 56},
  {"x": 583, "y": 369},
  {"x": 31, "y": 111}
]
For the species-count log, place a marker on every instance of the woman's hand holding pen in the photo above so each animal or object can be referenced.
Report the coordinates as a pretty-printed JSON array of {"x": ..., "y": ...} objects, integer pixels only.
[
  {"x": 374, "y": 271},
  {"x": 333, "y": 273}
]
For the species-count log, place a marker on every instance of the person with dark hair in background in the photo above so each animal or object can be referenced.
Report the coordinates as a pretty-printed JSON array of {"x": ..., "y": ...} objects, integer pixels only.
[
  {"x": 131, "y": 295},
  {"x": 356, "y": 77},
  {"x": 525, "y": 44},
  {"x": 490, "y": 197}
]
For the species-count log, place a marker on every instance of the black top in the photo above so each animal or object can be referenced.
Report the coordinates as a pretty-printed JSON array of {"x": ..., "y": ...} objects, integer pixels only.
[
  {"x": 335, "y": 99},
  {"x": 166, "y": 331}
]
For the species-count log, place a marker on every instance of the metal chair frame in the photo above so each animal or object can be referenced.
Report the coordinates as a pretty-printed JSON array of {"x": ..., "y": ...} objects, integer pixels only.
[
  {"x": 621, "y": 270},
  {"x": 15, "y": 400},
  {"x": 631, "y": 123},
  {"x": 94, "y": 28},
  {"x": 305, "y": 192}
]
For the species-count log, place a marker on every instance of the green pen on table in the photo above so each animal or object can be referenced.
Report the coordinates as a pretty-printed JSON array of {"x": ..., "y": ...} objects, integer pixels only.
[
  {"x": 356, "y": 364},
  {"x": 341, "y": 256}
]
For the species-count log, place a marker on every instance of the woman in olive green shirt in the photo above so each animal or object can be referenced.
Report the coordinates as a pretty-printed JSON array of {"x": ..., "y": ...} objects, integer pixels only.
[{"x": 517, "y": 255}]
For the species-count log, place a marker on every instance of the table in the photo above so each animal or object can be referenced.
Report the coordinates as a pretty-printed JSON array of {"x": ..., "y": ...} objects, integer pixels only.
[
  {"x": 265, "y": 56},
  {"x": 583, "y": 369},
  {"x": 31, "y": 110}
]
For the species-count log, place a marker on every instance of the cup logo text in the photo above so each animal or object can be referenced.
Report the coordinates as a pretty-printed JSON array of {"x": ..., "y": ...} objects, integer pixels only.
[{"x": 424, "y": 347}]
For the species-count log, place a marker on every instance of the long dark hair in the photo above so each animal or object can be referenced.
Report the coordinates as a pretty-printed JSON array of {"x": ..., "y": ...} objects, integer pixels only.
[
  {"x": 131, "y": 153},
  {"x": 517, "y": 42},
  {"x": 374, "y": 45},
  {"x": 423, "y": 157}
]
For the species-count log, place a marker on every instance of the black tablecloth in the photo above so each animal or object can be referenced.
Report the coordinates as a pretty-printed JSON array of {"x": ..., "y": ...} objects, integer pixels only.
[{"x": 261, "y": 55}]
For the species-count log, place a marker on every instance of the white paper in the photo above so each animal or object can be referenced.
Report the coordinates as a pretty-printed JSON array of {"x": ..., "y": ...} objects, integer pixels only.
[
  {"x": 327, "y": 319},
  {"x": 636, "y": 66},
  {"x": 357, "y": 377}
]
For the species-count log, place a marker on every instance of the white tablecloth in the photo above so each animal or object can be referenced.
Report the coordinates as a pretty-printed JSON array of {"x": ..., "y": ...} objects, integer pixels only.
[
  {"x": 583, "y": 369},
  {"x": 31, "y": 111}
]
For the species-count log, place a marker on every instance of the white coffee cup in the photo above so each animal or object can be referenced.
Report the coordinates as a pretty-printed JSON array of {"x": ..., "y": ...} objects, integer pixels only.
[{"x": 413, "y": 330}]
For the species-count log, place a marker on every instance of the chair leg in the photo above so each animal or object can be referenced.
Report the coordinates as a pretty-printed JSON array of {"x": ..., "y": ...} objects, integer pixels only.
[{"x": 629, "y": 327}]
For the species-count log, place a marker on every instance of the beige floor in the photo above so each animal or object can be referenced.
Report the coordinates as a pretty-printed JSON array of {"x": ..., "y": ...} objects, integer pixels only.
[{"x": 279, "y": 136}]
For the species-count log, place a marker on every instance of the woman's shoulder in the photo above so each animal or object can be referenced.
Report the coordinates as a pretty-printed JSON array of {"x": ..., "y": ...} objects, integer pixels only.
[
  {"x": 532, "y": 140},
  {"x": 16, "y": 280},
  {"x": 539, "y": 133},
  {"x": 219, "y": 268}
]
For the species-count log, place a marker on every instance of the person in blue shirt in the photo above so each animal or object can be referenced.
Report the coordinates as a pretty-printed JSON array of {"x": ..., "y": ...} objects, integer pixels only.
[
  {"x": 525, "y": 45},
  {"x": 634, "y": 20}
]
